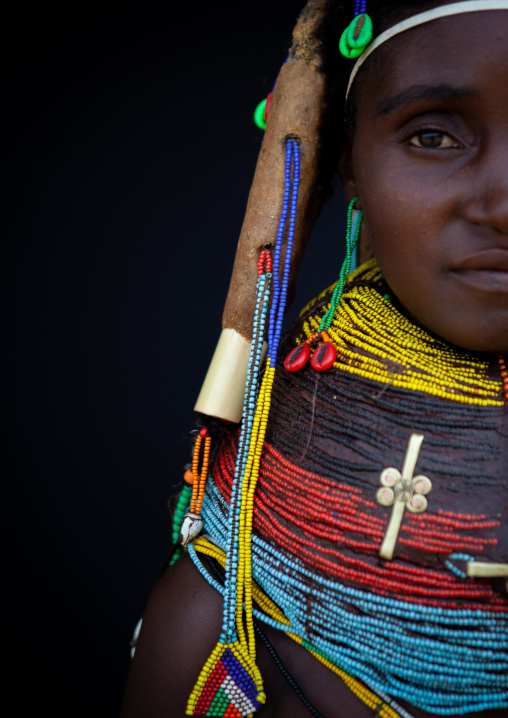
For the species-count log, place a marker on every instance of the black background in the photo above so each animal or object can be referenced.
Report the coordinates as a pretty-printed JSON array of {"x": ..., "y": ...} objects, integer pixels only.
[{"x": 128, "y": 148}]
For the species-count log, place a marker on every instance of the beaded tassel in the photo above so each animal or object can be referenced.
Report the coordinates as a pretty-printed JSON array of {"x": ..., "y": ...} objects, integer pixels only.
[
  {"x": 198, "y": 487},
  {"x": 192, "y": 522},
  {"x": 230, "y": 683}
]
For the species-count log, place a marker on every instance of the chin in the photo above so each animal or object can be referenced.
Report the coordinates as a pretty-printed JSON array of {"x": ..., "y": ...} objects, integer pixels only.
[{"x": 495, "y": 343}]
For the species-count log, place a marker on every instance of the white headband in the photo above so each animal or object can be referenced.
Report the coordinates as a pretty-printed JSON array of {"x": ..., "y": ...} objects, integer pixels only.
[{"x": 457, "y": 8}]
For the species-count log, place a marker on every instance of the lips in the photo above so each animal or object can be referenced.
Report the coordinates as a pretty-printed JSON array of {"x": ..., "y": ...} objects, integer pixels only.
[
  {"x": 486, "y": 270},
  {"x": 495, "y": 259}
]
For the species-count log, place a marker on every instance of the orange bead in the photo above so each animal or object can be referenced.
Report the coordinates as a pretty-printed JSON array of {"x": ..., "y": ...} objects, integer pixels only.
[{"x": 189, "y": 476}]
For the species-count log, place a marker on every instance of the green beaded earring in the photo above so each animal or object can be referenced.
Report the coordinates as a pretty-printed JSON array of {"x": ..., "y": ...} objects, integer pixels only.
[
  {"x": 354, "y": 223},
  {"x": 325, "y": 354}
]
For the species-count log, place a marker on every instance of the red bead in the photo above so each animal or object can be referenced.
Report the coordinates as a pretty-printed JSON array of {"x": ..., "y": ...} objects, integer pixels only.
[
  {"x": 297, "y": 358},
  {"x": 203, "y": 433},
  {"x": 324, "y": 356},
  {"x": 331, "y": 528}
]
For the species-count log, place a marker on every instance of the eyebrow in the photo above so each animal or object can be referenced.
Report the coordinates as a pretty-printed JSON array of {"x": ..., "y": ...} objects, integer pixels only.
[{"x": 420, "y": 93}]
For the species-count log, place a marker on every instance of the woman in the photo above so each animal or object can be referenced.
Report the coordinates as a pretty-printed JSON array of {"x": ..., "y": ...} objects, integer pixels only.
[{"x": 378, "y": 506}]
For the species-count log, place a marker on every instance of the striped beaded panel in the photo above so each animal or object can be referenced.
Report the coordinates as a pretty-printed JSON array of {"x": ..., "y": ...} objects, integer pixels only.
[{"x": 228, "y": 690}]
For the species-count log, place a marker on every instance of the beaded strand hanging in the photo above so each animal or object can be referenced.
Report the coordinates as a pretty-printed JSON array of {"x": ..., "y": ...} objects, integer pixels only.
[
  {"x": 192, "y": 522},
  {"x": 230, "y": 683}
]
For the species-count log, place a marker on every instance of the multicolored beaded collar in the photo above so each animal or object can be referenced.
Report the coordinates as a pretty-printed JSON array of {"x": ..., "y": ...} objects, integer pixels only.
[{"x": 313, "y": 532}]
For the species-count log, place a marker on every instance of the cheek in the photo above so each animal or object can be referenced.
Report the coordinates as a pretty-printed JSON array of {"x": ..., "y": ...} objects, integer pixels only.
[
  {"x": 405, "y": 266},
  {"x": 414, "y": 245},
  {"x": 399, "y": 201},
  {"x": 403, "y": 239},
  {"x": 405, "y": 219}
]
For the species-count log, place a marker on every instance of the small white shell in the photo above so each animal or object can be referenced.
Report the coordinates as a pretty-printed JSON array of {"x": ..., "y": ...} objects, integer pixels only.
[{"x": 191, "y": 526}]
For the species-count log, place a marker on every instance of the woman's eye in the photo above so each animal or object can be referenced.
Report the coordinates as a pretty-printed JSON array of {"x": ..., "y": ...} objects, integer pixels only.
[{"x": 432, "y": 139}]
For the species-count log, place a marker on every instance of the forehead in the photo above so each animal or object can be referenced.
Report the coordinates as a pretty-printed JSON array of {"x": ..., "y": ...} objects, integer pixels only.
[{"x": 469, "y": 50}]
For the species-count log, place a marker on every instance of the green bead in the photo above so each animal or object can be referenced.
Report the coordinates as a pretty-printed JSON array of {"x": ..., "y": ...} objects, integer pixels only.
[
  {"x": 259, "y": 115},
  {"x": 356, "y": 36},
  {"x": 176, "y": 555}
]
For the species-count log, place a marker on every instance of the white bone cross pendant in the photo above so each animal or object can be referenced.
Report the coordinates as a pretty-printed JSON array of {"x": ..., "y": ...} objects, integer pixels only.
[{"x": 403, "y": 491}]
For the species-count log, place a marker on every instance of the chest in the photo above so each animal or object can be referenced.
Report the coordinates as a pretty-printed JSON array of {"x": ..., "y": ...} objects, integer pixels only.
[{"x": 348, "y": 432}]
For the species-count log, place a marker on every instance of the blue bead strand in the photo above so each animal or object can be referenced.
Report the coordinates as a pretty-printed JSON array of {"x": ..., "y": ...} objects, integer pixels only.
[
  {"x": 278, "y": 304},
  {"x": 455, "y": 569},
  {"x": 231, "y": 584},
  {"x": 360, "y": 7},
  {"x": 280, "y": 298},
  {"x": 278, "y": 241}
]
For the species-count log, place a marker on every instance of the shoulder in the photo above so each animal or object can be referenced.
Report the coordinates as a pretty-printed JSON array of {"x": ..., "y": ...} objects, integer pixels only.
[{"x": 181, "y": 626}]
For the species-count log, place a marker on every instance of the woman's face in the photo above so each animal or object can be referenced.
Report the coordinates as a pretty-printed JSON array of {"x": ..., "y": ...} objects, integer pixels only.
[{"x": 430, "y": 167}]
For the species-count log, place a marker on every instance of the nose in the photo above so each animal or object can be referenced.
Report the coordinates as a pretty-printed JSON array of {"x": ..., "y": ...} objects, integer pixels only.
[{"x": 487, "y": 204}]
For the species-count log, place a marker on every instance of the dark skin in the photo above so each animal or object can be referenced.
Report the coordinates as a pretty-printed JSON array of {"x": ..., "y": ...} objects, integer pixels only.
[{"x": 429, "y": 162}]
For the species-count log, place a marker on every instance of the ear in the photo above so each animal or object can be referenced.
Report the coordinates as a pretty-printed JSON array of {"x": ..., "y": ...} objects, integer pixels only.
[
  {"x": 346, "y": 172},
  {"x": 347, "y": 175}
]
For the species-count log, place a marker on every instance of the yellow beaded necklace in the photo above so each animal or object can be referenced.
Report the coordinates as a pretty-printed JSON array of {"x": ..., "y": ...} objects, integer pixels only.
[{"x": 375, "y": 341}]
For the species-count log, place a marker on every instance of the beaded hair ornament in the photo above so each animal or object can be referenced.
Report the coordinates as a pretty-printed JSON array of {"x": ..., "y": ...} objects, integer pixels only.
[{"x": 230, "y": 683}]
